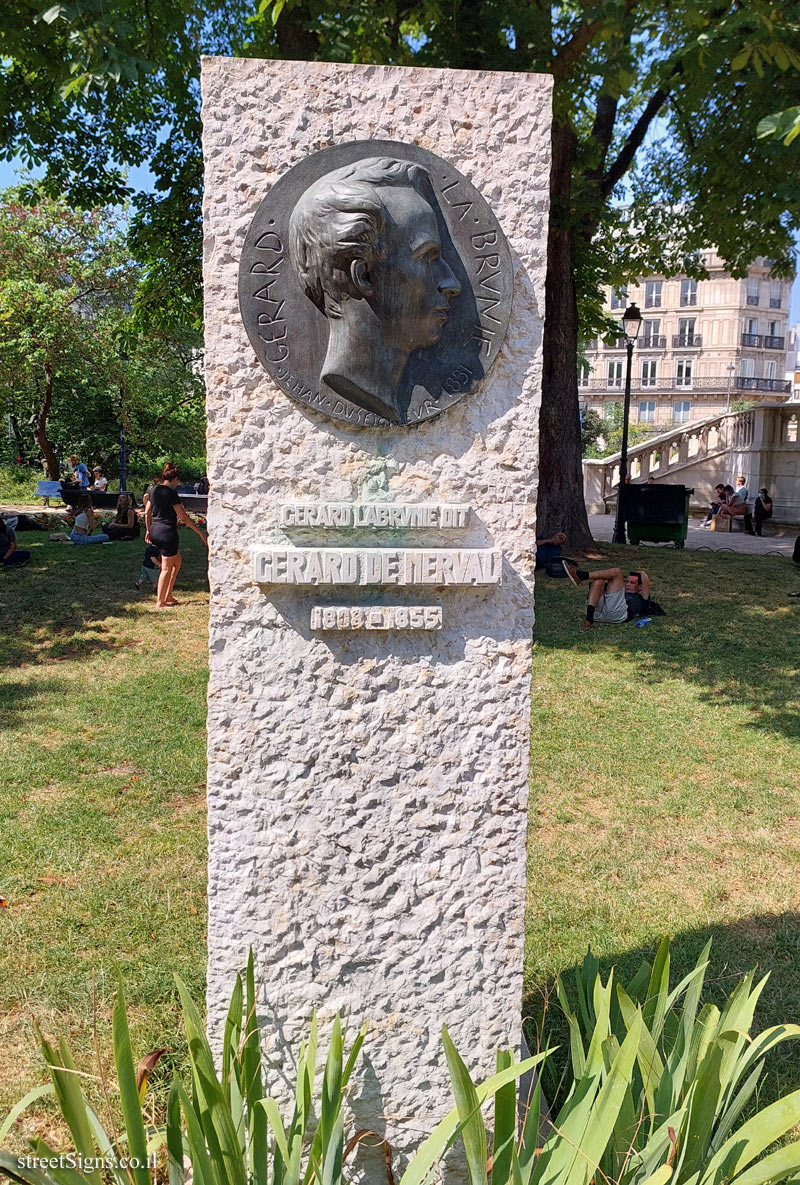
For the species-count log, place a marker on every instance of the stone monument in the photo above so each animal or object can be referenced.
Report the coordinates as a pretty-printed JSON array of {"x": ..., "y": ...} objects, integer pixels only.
[{"x": 375, "y": 245}]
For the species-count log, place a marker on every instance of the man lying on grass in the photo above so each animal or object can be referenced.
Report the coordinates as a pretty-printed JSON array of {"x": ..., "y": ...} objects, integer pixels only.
[{"x": 612, "y": 597}]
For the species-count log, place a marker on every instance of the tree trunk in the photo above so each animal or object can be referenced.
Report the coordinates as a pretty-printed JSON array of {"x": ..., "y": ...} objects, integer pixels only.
[
  {"x": 561, "y": 506},
  {"x": 40, "y": 430}
]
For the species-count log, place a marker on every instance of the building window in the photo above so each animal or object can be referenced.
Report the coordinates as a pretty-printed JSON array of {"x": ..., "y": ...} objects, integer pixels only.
[
  {"x": 683, "y": 373},
  {"x": 753, "y": 291},
  {"x": 612, "y": 411},
  {"x": 619, "y": 298},
  {"x": 615, "y": 374},
  {"x": 774, "y": 328},
  {"x": 652, "y": 294},
  {"x": 647, "y": 411},
  {"x": 752, "y": 326},
  {"x": 688, "y": 292},
  {"x": 680, "y": 410},
  {"x": 649, "y": 372},
  {"x": 775, "y": 293},
  {"x": 771, "y": 371},
  {"x": 748, "y": 368},
  {"x": 649, "y": 336},
  {"x": 583, "y": 374},
  {"x": 686, "y": 331}
]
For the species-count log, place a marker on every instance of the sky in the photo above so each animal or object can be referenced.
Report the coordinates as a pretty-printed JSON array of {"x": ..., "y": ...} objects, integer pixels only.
[{"x": 141, "y": 179}]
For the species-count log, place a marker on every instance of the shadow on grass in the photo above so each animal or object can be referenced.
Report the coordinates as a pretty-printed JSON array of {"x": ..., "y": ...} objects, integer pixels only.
[
  {"x": 15, "y": 699},
  {"x": 63, "y": 603},
  {"x": 730, "y": 629},
  {"x": 768, "y": 943}
]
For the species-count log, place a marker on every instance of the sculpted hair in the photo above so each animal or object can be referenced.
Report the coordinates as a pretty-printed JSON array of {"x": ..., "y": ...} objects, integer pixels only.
[{"x": 340, "y": 219}]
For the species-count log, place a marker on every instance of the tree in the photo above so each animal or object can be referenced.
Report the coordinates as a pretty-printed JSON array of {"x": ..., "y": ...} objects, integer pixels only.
[
  {"x": 591, "y": 429},
  {"x": 663, "y": 98},
  {"x": 72, "y": 366}
]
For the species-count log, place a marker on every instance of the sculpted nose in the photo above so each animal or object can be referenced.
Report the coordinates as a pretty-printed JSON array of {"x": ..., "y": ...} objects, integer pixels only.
[{"x": 448, "y": 284}]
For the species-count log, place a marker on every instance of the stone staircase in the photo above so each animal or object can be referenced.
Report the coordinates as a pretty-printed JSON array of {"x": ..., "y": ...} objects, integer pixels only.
[{"x": 762, "y": 444}]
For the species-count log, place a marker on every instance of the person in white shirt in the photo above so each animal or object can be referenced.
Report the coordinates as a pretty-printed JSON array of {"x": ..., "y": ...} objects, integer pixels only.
[
  {"x": 99, "y": 482},
  {"x": 85, "y": 523}
]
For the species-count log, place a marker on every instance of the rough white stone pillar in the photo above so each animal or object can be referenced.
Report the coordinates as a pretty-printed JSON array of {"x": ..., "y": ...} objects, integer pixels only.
[{"x": 367, "y": 790}]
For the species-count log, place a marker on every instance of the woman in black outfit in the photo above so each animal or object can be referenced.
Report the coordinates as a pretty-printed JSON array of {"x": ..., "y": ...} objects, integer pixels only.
[
  {"x": 164, "y": 512},
  {"x": 125, "y": 524}
]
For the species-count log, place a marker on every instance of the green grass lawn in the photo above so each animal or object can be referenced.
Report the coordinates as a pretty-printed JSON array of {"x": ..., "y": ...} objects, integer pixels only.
[
  {"x": 665, "y": 789},
  {"x": 102, "y": 798},
  {"x": 666, "y": 779}
]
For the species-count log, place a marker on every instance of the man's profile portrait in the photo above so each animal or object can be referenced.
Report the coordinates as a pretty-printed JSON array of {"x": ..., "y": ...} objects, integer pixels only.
[{"x": 364, "y": 242}]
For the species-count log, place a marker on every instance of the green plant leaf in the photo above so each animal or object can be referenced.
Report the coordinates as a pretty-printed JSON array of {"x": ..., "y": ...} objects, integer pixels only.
[
  {"x": 505, "y": 1123},
  {"x": 174, "y": 1134},
  {"x": 8, "y": 1164},
  {"x": 253, "y": 1083},
  {"x": 333, "y": 1152},
  {"x": 775, "y": 1167},
  {"x": 446, "y": 1131},
  {"x": 214, "y": 1113},
  {"x": 276, "y": 1125},
  {"x": 744, "y": 1145},
  {"x": 473, "y": 1131},
  {"x": 38, "y": 1092},
  {"x": 128, "y": 1090},
  {"x": 202, "y": 1165},
  {"x": 70, "y": 1099}
]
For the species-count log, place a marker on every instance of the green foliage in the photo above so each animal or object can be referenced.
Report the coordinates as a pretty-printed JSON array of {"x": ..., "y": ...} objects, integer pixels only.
[
  {"x": 783, "y": 125},
  {"x": 657, "y": 1088},
  {"x": 230, "y": 1133},
  {"x": 73, "y": 366},
  {"x": 592, "y": 427},
  {"x": 693, "y": 1079}
]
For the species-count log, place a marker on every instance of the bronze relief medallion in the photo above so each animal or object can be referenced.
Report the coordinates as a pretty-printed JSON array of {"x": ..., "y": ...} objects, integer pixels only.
[{"x": 375, "y": 284}]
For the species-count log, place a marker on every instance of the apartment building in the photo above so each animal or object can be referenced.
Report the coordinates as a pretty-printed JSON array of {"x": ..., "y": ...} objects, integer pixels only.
[{"x": 703, "y": 344}]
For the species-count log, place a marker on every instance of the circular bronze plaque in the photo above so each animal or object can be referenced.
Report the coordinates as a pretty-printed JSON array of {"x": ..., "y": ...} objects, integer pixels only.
[{"x": 375, "y": 284}]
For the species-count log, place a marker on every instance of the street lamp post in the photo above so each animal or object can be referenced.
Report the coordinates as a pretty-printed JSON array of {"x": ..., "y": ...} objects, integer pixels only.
[
  {"x": 731, "y": 373},
  {"x": 631, "y": 324}
]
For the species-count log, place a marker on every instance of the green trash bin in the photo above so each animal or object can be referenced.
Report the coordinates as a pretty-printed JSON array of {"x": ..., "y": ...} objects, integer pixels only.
[{"x": 657, "y": 513}]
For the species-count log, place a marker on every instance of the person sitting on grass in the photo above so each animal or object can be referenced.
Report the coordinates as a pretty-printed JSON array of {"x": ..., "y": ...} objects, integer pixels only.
[
  {"x": 85, "y": 523},
  {"x": 125, "y": 524},
  {"x": 549, "y": 550},
  {"x": 11, "y": 556},
  {"x": 612, "y": 597}
]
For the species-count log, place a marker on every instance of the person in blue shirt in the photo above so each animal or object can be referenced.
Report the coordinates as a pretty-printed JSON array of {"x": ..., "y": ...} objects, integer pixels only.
[{"x": 82, "y": 475}]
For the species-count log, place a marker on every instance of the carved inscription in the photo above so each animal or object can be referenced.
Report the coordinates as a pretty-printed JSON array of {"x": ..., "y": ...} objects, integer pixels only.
[
  {"x": 335, "y": 515},
  {"x": 377, "y": 566},
  {"x": 376, "y": 617}
]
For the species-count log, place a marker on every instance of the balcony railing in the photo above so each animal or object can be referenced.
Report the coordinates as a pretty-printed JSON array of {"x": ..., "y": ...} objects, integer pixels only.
[
  {"x": 752, "y": 299},
  {"x": 619, "y": 344},
  {"x": 686, "y": 341},
  {"x": 774, "y": 302},
  {"x": 748, "y": 384},
  {"x": 698, "y": 384},
  {"x": 653, "y": 342},
  {"x": 753, "y": 340},
  {"x": 774, "y": 343}
]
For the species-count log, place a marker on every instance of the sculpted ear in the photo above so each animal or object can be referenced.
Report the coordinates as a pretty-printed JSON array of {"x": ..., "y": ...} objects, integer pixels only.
[{"x": 359, "y": 274}]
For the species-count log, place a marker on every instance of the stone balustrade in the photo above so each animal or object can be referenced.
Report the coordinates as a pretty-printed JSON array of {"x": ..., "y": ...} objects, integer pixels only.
[{"x": 762, "y": 444}]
